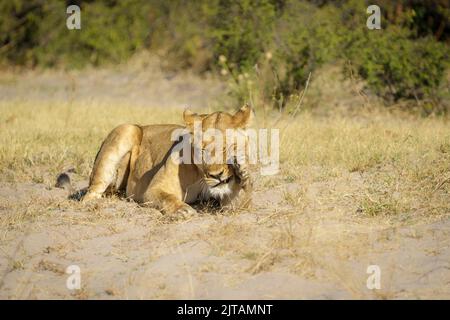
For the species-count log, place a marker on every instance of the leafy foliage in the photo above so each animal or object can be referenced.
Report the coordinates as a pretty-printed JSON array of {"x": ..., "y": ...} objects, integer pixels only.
[{"x": 35, "y": 32}]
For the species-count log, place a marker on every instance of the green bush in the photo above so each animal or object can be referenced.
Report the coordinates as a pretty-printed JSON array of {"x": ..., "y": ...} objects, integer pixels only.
[
  {"x": 396, "y": 66},
  {"x": 19, "y": 22},
  {"x": 196, "y": 33},
  {"x": 241, "y": 30},
  {"x": 35, "y": 32},
  {"x": 394, "y": 62},
  {"x": 180, "y": 33},
  {"x": 306, "y": 38}
]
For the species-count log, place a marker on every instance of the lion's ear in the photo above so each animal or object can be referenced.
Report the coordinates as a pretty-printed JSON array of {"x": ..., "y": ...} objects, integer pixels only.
[
  {"x": 243, "y": 117},
  {"x": 189, "y": 117}
]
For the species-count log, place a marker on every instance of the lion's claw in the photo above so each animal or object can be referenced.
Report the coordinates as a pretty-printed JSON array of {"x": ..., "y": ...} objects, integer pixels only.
[{"x": 242, "y": 174}]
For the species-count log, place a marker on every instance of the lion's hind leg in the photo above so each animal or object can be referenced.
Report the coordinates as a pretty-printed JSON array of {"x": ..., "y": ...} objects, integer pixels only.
[{"x": 112, "y": 161}]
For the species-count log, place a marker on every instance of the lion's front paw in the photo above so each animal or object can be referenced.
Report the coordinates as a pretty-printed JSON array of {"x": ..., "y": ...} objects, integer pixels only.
[
  {"x": 89, "y": 196},
  {"x": 186, "y": 211},
  {"x": 243, "y": 175},
  {"x": 246, "y": 181}
]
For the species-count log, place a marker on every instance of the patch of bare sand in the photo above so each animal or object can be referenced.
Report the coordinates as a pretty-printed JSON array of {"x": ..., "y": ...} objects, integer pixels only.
[{"x": 299, "y": 241}]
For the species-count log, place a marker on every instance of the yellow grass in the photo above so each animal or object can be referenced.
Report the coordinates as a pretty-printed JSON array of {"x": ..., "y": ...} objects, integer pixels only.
[{"x": 405, "y": 160}]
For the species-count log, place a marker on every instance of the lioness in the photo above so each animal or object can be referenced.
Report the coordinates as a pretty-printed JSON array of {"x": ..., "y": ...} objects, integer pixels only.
[{"x": 136, "y": 161}]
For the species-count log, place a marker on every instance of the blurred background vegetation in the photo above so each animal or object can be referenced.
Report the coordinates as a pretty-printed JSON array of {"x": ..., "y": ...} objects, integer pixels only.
[{"x": 272, "y": 45}]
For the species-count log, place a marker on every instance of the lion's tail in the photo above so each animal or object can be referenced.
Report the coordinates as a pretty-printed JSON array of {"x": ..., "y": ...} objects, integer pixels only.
[{"x": 63, "y": 180}]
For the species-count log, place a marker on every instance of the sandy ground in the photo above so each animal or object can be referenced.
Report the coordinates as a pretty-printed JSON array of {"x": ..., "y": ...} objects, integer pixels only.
[
  {"x": 144, "y": 86},
  {"x": 125, "y": 251}
]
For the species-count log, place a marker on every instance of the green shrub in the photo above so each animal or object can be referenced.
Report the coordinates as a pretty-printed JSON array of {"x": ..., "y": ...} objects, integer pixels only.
[
  {"x": 195, "y": 34},
  {"x": 36, "y": 34},
  {"x": 306, "y": 38},
  {"x": 19, "y": 24},
  {"x": 396, "y": 66},
  {"x": 394, "y": 63},
  {"x": 180, "y": 31},
  {"x": 241, "y": 30}
]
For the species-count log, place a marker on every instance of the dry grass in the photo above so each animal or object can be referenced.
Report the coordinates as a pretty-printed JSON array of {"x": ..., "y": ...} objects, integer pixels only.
[
  {"x": 54, "y": 136},
  {"x": 405, "y": 160}
]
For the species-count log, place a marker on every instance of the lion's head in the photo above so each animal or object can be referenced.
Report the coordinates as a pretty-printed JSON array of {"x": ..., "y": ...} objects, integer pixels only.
[{"x": 213, "y": 146}]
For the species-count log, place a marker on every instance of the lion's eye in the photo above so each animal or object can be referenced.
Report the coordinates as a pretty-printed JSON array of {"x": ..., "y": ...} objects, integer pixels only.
[{"x": 216, "y": 175}]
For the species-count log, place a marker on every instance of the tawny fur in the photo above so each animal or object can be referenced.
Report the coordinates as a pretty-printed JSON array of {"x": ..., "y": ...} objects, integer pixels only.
[{"x": 135, "y": 161}]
